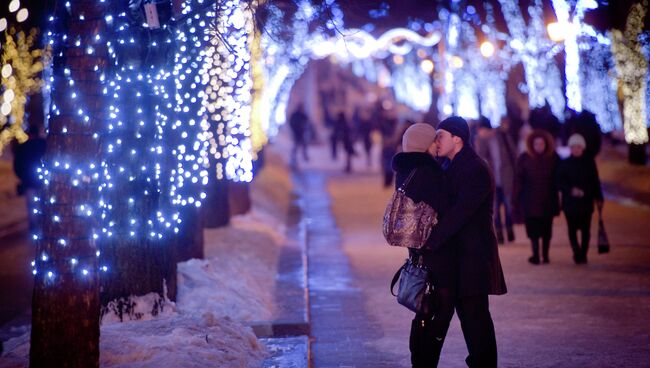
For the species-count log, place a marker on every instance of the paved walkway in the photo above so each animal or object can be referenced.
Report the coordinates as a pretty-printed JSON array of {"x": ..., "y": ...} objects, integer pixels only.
[{"x": 557, "y": 315}]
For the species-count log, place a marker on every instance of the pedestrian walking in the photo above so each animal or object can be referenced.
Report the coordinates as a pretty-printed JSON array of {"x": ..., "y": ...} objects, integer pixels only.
[
  {"x": 578, "y": 181},
  {"x": 467, "y": 227},
  {"x": 497, "y": 149},
  {"x": 427, "y": 184},
  {"x": 535, "y": 194},
  {"x": 364, "y": 132},
  {"x": 27, "y": 160},
  {"x": 342, "y": 133},
  {"x": 299, "y": 124},
  {"x": 389, "y": 145}
]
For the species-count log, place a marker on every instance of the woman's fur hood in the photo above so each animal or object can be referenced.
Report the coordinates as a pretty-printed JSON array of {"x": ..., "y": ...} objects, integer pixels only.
[{"x": 547, "y": 137}]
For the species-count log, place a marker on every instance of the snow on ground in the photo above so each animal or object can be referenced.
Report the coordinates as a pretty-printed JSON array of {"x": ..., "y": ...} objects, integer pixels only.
[{"x": 217, "y": 296}]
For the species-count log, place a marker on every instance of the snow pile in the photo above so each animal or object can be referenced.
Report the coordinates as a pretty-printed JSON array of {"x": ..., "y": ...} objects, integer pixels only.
[
  {"x": 173, "y": 340},
  {"x": 180, "y": 341}
]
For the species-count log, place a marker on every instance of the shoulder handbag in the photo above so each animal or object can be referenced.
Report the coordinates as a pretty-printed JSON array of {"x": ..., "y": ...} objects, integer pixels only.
[
  {"x": 603, "y": 241},
  {"x": 406, "y": 223},
  {"x": 415, "y": 287}
]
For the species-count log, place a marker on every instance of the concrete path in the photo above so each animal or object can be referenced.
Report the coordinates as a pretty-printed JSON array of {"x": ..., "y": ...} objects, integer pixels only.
[{"x": 556, "y": 315}]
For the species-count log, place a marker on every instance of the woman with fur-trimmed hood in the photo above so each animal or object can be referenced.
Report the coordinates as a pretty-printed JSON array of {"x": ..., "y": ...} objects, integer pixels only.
[{"x": 535, "y": 195}]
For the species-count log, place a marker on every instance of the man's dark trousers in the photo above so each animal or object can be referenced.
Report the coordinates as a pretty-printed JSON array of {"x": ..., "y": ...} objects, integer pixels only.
[{"x": 478, "y": 330}]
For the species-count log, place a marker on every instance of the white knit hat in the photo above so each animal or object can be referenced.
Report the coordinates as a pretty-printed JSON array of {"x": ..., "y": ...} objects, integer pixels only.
[
  {"x": 577, "y": 140},
  {"x": 418, "y": 138}
]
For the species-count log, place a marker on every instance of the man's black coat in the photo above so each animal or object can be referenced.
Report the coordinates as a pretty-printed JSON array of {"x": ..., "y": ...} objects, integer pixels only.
[{"x": 468, "y": 226}]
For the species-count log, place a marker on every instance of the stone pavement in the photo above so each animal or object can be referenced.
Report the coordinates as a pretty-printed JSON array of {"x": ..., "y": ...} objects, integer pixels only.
[{"x": 556, "y": 315}]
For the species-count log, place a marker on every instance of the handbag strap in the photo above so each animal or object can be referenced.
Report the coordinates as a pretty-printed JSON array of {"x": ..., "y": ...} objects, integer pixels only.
[
  {"x": 408, "y": 261},
  {"x": 407, "y": 181},
  {"x": 395, "y": 278}
]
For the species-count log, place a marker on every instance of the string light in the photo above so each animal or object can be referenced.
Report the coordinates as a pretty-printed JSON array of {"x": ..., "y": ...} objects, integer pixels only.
[
  {"x": 21, "y": 64},
  {"x": 632, "y": 68},
  {"x": 229, "y": 92}
]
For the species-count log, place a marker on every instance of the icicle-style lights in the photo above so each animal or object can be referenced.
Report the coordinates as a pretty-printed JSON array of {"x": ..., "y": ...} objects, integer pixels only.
[{"x": 535, "y": 51}]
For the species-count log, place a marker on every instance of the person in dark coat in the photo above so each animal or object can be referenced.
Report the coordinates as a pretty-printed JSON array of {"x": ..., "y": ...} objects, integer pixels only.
[
  {"x": 497, "y": 149},
  {"x": 467, "y": 227},
  {"x": 389, "y": 145},
  {"x": 27, "y": 159},
  {"x": 299, "y": 122},
  {"x": 535, "y": 194},
  {"x": 578, "y": 181},
  {"x": 427, "y": 184},
  {"x": 342, "y": 133}
]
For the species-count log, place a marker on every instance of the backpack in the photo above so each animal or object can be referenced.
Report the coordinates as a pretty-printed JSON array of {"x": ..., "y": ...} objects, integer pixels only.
[{"x": 406, "y": 223}]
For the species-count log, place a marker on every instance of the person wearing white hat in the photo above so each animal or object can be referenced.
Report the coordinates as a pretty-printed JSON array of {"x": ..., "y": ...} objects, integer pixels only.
[{"x": 580, "y": 187}]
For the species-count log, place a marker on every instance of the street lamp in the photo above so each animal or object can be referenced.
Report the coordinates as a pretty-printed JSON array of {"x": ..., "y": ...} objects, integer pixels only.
[{"x": 487, "y": 49}]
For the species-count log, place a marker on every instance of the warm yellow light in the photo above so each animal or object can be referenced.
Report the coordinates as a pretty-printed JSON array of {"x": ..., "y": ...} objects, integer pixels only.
[
  {"x": 487, "y": 49},
  {"x": 457, "y": 62},
  {"x": 558, "y": 32},
  {"x": 398, "y": 59},
  {"x": 427, "y": 66},
  {"x": 22, "y": 15}
]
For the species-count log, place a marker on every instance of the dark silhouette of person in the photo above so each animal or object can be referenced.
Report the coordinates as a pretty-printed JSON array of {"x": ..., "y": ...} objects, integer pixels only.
[
  {"x": 299, "y": 124},
  {"x": 535, "y": 195},
  {"x": 389, "y": 145},
  {"x": 497, "y": 149},
  {"x": 27, "y": 159},
  {"x": 341, "y": 133},
  {"x": 578, "y": 181}
]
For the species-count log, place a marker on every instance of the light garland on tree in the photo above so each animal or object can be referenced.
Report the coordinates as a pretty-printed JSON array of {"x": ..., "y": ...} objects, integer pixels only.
[
  {"x": 535, "y": 51},
  {"x": 70, "y": 122},
  {"x": 21, "y": 65},
  {"x": 632, "y": 68},
  {"x": 189, "y": 171},
  {"x": 18, "y": 69},
  {"x": 229, "y": 92}
]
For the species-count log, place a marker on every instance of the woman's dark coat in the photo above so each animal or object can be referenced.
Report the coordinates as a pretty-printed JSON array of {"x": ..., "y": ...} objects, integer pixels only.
[
  {"x": 581, "y": 173},
  {"x": 467, "y": 226},
  {"x": 428, "y": 185},
  {"x": 534, "y": 191}
]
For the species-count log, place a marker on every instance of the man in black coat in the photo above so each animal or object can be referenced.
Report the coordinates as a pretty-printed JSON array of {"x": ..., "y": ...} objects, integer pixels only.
[{"x": 467, "y": 226}]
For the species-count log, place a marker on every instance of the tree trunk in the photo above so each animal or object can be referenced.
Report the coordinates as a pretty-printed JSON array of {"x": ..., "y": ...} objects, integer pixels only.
[
  {"x": 136, "y": 243},
  {"x": 239, "y": 198},
  {"x": 637, "y": 154},
  {"x": 65, "y": 309},
  {"x": 216, "y": 208},
  {"x": 190, "y": 238}
]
